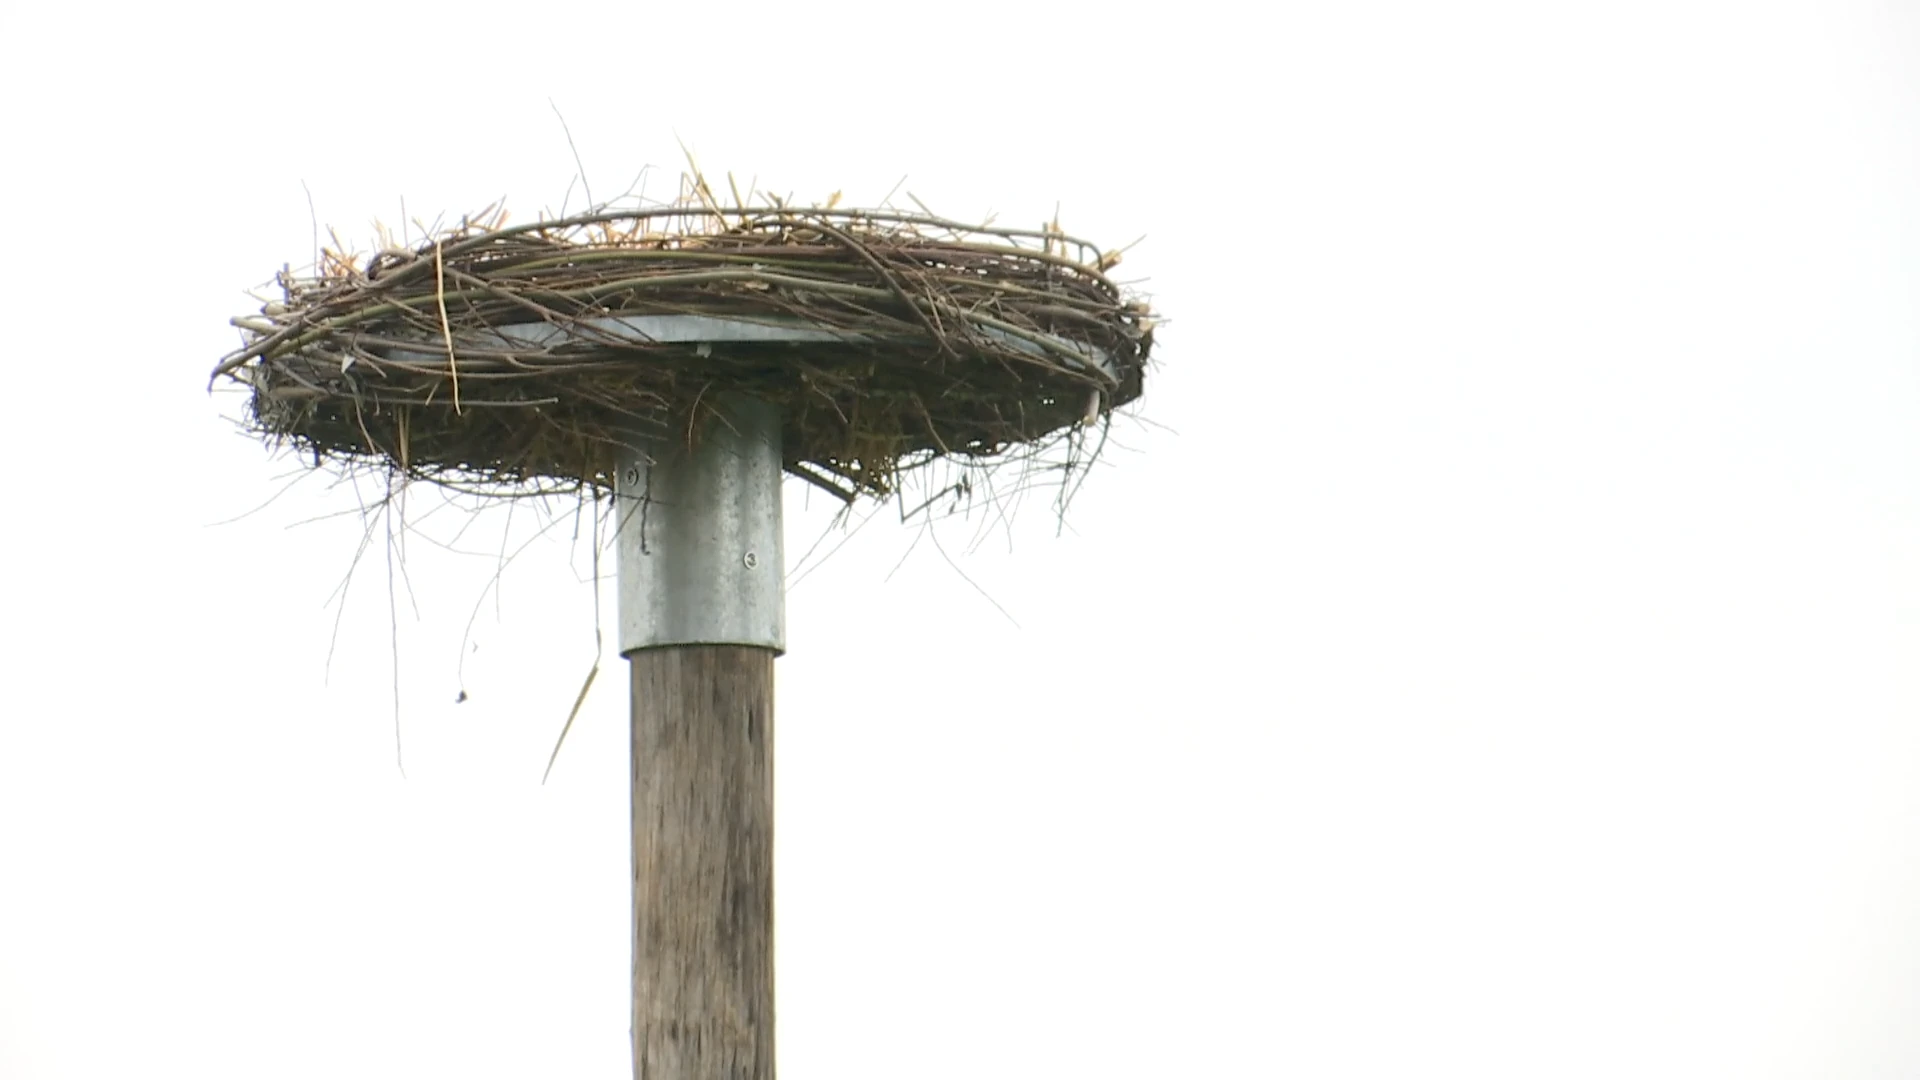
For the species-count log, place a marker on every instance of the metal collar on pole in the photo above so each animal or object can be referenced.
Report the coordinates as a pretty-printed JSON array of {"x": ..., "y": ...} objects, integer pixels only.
[{"x": 699, "y": 549}]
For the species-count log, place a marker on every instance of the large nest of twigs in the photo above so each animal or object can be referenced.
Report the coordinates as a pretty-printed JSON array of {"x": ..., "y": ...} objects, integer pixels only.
[{"x": 492, "y": 356}]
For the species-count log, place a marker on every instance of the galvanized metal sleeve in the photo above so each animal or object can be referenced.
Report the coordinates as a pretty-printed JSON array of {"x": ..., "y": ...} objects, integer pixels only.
[{"x": 699, "y": 536}]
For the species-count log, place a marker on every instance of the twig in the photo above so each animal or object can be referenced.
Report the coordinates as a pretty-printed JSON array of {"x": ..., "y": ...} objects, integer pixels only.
[
  {"x": 580, "y": 168},
  {"x": 446, "y": 327}
]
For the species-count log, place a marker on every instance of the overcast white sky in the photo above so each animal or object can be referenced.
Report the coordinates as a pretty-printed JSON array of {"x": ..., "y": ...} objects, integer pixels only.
[{"x": 1498, "y": 661}]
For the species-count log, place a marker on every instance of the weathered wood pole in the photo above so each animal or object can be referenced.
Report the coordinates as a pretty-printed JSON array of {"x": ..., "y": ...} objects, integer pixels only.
[{"x": 701, "y": 620}]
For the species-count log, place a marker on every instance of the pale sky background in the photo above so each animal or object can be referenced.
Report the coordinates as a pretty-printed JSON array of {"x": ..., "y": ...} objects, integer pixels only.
[{"x": 1498, "y": 661}]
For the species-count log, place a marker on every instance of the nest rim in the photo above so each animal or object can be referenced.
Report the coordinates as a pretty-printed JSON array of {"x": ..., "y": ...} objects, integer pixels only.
[{"x": 819, "y": 311}]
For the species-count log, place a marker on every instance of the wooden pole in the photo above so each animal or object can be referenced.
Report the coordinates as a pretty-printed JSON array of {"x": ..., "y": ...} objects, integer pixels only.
[
  {"x": 702, "y": 618},
  {"x": 703, "y": 863}
]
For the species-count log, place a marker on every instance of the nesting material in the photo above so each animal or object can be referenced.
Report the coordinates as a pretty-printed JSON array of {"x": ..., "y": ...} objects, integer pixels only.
[{"x": 494, "y": 355}]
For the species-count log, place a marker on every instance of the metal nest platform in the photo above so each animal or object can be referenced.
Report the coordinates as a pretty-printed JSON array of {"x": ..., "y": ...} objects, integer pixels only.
[{"x": 496, "y": 357}]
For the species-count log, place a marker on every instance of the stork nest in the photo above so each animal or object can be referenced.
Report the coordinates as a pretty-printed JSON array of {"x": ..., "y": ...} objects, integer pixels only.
[{"x": 492, "y": 356}]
